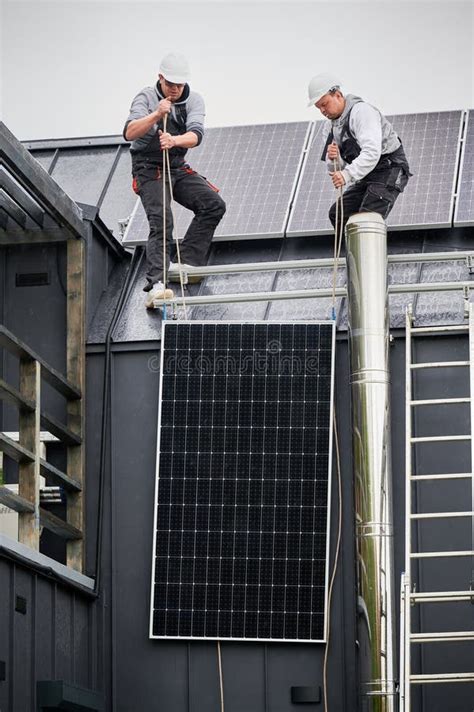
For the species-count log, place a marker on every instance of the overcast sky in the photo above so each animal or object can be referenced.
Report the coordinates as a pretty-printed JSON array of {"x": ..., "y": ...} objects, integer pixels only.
[{"x": 71, "y": 68}]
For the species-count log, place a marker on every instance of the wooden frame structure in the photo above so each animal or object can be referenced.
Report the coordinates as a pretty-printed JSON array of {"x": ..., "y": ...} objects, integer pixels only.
[{"x": 34, "y": 209}]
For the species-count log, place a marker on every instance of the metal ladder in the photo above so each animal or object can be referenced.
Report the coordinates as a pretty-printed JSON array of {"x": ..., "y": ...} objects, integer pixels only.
[{"x": 409, "y": 595}]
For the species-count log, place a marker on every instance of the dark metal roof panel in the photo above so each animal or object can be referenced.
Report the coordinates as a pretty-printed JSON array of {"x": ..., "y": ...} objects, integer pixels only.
[
  {"x": 119, "y": 198},
  {"x": 83, "y": 173}
]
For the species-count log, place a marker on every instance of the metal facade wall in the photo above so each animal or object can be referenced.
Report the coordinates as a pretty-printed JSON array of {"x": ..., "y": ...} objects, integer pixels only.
[
  {"x": 178, "y": 675},
  {"x": 59, "y": 636},
  {"x": 258, "y": 677}
]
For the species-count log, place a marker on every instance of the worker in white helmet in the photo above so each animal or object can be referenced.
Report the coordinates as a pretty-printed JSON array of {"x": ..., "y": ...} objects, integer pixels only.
[
  {"x": 363, "y": 153},
  {"x": 171, "y": 97}
]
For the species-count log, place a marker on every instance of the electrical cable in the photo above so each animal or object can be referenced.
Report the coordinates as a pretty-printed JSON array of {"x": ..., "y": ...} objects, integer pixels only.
[
  {"x": 105, "y": 411},
  {"x": 336, "y": 560}
]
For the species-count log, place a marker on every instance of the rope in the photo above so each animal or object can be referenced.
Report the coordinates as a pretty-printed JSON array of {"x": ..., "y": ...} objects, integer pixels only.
[
  {"x": 165, "y": 119},
  {"x": 178, "y": 249},
  {"x": 167, "y": 175},
  {"x": 221, "y": 676},
  {"x": 336, "y": 561},
  {"x": 338, "y": 235}
]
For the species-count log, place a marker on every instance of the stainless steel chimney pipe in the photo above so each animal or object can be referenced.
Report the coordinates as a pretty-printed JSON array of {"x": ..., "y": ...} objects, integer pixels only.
[{"x": 366, "y": 247}]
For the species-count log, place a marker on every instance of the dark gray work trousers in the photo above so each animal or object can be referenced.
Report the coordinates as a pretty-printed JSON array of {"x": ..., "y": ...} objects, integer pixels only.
[
  {"x": 192, "y": 191},
  {"x": 378, "y": 191}
]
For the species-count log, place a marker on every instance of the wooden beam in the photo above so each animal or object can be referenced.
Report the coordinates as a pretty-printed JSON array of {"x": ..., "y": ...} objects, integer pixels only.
[
  {"x": 59, "y": 526},
  {"x": 32, "y": 176},
  {"x": 3, "y": 219},
  {"x": 29, "y": 472},
  {"x": 76, "y": 294},
  {"x": 59, "y": 430},
  {"x": 13, "y": 396},
  {"x": 21, "y": 197},
  {"x": 12, "y": 209},
  {"x": 15, "y": 450},
  {"x": 14, "y": 501},
  {"x": 49, "y": 374},
  {"x": 59, "y": 478},
  {"x": 31, "y": 237}
]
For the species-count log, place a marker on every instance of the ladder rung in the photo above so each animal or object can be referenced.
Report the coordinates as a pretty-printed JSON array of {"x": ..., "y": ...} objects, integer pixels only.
[
  {"x": 446, "y": 677},
  {"x": 439, "y": 364},
  {"x": 438, "y": 329},
  {"x": 454, "y": 637},
  {"x": 440, "y": 438},
  {"x": 440, "y": 401},
  {"x": 443, "y": 476},
  {"x": 441, "y": 515},
  {"x": 440, "y": 554},
  {"x": 441, "y": 596}
]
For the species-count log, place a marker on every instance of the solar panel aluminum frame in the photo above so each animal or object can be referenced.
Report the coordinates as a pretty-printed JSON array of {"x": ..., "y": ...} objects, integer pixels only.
[
  {"x": 307, "y": 150},
  {"x": 449, "y": 221},
  {"x": 328, "y": 502},
  {"x": 457, "y": 167},
  {"x": 463, "y": 141},
  {"x": 391, "y": 228}
]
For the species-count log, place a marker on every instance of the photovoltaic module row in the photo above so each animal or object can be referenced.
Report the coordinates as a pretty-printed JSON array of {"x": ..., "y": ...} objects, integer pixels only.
[
  {"x": 465, "y": 201},
  {"x": 241, "y": 525},
  {"x": 257, "y": 169},
  {"x": 254, "y": 167}
]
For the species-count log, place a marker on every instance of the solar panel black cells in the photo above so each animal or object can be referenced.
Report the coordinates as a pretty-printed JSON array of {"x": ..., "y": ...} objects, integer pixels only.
[
  {"x": 464, "y": 214},
  {"x": 255, "y": 168},
  {"x": 243, "y": 481},
  {"x": 431, "y": 142},
  {"x": 315, "y": 194}
]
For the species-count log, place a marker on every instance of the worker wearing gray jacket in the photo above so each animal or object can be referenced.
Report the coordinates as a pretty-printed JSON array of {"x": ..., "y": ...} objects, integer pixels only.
[
  {"x": 363, "y": 152},
  {"x": 171, "y": 97}
]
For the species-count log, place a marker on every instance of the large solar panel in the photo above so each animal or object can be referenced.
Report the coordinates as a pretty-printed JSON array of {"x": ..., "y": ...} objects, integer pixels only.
[
  {"x": 255, "y": 168},
  {"x": 464, "y": 214},
  {"x": 243, "y": 481},
  {"x": 431, "y": 143}
]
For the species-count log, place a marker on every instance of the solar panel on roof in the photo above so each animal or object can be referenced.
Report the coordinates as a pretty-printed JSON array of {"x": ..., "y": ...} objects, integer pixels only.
[
  {"x": 314, "y": 195},
  {"x": 464, "y": 214},
  {"x": 431, "y": 144},
  {"x": 243, "y": 481},
  {"x": 255, "y": 169}
]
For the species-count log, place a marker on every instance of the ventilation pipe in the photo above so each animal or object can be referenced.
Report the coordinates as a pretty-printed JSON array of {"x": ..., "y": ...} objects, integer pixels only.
[{"x": 366, "y": 247}]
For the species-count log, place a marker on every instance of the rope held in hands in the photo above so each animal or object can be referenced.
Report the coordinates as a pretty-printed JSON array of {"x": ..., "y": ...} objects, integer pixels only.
[
  {"x": 167, "y": 176},
  {"x": 339, "y": 233}
]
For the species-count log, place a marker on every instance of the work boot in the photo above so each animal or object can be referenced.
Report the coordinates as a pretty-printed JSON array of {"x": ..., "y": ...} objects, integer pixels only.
[
  {"x": 173, "y": 273},
  {"x": 158, "y": 291}
]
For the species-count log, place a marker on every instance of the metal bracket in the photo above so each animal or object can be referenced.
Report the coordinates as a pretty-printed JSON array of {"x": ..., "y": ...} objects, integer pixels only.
[{"x": 466, "y": 291}]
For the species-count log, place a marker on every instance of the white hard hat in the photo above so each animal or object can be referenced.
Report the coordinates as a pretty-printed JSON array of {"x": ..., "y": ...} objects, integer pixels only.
[
  {"x": 175, "y": 68},
  {"x": 320, "y": 85}
]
